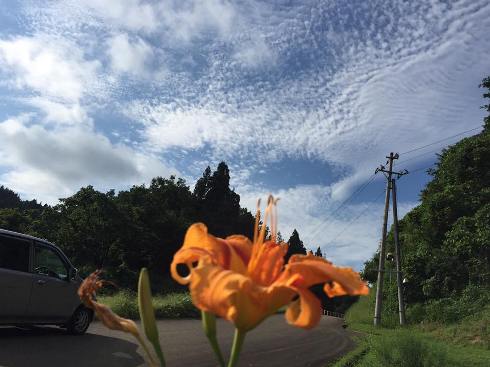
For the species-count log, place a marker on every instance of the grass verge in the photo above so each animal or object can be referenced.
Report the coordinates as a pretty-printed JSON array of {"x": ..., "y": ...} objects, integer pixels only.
[
  {"x": 425, "y": 345},
  {"x": 168, "y": 306}
]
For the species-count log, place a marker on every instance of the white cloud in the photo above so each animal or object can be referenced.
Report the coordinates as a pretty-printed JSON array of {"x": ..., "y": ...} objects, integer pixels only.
[
  {"x": 167, "y": 126},
  {"x": 187, "y": 20},
  {"x": 256, "y": 53},
  {"x": 129, "y": 57},
  {"x": 133, "y": 15},
  {"x": 172, "y": 21},
  {"x": 60, "y": 113},
  {"x": 49, "y": 67},
  {"x": 45, "y": 164}
]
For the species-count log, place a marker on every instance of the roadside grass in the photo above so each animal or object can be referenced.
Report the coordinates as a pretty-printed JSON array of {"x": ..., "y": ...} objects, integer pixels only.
[
  {"x": 168, "y": 306},
  {"x": 424, "y": 344}
]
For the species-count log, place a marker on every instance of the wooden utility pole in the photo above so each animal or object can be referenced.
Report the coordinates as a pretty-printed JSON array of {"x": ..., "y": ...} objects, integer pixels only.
[
  {"x": 381, "y": 265},
  {"x": 390, "y": 185},
  {"x": 399, "y": 282}
]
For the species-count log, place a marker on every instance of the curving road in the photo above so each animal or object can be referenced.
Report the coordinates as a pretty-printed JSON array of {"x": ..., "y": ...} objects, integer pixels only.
[{"x": 273, "y": 343}]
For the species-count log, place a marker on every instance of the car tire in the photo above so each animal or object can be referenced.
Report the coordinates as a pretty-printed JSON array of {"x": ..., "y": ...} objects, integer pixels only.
[{"x": 79, "y": 321}]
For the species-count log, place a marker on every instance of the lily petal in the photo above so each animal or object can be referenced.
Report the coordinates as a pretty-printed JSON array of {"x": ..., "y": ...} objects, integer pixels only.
[
  {"x": 305, "y": 312},
  {"x": 113, "y": 321},
  {"x": 234, "y": 296},
  {"x": 231, "y": 253},
  {"x": 315, "y": 270}
]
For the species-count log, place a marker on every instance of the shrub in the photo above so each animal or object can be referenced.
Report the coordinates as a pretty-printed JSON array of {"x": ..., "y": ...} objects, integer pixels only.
[
  {"x": 407, "y": 349},
  {"x": 450, "y": 310},
  {"x": 169, "y": 306}
]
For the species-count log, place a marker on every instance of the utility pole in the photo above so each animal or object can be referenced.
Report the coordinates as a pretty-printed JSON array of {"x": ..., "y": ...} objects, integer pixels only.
[
  {"x": 381, "y": 265},
  {"x": 401, "y": 305},
  {"x": 382, "y": 252}
]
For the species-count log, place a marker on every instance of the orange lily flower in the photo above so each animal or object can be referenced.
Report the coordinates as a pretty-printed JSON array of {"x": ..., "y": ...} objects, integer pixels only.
[
  {"x": 246, "y": 282},
  {"x": 87, "y": 291}
]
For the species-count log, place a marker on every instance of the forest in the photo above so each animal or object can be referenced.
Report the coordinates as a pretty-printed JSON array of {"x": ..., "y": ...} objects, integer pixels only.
[{"x": 140, "y": 227}]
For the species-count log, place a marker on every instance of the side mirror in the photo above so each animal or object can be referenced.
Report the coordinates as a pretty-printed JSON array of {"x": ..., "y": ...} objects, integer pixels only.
[{"x": 73, "y": 274}]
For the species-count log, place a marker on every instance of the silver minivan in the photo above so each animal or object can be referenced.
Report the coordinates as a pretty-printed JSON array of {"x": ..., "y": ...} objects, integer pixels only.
[{"x": 38, "y": 285}]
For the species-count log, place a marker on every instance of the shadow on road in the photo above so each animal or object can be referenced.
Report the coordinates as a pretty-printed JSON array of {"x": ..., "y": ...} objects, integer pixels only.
[{"x": 49, "y": 346}]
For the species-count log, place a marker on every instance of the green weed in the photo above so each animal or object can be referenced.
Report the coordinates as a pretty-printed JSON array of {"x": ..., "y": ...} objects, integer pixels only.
[{"x": 169, "y": 306}]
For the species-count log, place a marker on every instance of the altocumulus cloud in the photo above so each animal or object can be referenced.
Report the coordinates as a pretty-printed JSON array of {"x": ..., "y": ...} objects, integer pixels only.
[{"x": 136, "y": 84}]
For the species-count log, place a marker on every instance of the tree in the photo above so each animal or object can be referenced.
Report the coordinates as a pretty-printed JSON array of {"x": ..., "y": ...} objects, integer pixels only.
[
  {"x": 90, "y": 224},
  {"x": 10, "y": 199},
  {"x": 318, "y": 252},
  {"x": 219, "y": 206},
  {"x": 295, "y": 246},
  {"x": 203, "y": 184},
  {"x": 486, "y": 84}
]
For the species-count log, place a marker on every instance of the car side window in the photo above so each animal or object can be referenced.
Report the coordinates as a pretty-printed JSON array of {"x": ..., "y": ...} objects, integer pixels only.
[
  {"x": 48, "y": 262},
  {"x": 14, "y": 253}
]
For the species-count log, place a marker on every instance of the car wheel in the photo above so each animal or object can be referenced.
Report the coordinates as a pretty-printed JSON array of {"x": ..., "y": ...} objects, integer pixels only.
[{"x": 79, "y": 321}]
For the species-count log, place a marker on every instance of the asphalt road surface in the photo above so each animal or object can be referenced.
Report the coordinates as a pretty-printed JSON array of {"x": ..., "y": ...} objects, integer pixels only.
[{"x": 274, "y": 343}]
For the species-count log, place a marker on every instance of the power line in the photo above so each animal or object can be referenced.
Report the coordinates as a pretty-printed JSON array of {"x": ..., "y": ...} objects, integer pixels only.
[
  {"x": 420, "y": 169},
  {"x": 418, "y": 155},
  {"x": 329, "y": 216},
  {"x": 371, "y": 178},
  {"x": 354, "y": 219},
  {"x": 449, "y": 137}
]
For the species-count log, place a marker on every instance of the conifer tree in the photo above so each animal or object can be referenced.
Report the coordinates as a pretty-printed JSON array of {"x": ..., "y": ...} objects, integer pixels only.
[{"x": 295, "y": 246}]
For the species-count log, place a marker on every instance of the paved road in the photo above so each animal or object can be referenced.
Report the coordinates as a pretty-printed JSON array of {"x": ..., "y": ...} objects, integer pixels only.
[{"x": 272, "y": 344}]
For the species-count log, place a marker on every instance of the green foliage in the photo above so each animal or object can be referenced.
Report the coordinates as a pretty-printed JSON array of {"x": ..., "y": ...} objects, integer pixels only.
[
  {"x": 453, "y": 309},
  {"x": 473, "y": 329},
  {"x": 432, "y": 344},
  {"x": 407, "y": 349},
  {"x": 140, "y": 227},
  {"x": 169, "y": 306},
  {"x": 486, "y": 84},
  {"x": 10, "y": 199}
]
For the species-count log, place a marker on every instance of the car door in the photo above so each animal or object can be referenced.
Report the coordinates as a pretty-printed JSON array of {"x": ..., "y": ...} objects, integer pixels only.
[
  {"x": 15, "y": 279},
  {"x": 53, "y": 295}
]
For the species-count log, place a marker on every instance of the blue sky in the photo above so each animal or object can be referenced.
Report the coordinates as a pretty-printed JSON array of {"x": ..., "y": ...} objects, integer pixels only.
[{"x": 302, "y": 99}]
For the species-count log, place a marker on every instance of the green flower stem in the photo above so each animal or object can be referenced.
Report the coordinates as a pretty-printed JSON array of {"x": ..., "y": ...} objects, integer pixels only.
[
  {"x": 209, "y": 326},
  {"x": 147, "y": 314},
  {"x": 237, "y": 346},
  {"x": 151, "y": 362}
]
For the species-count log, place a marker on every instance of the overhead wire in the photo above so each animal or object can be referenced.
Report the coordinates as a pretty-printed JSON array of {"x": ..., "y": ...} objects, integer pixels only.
[
  {"x": 319, "y": 227},
  {"x": 330, "y": 215},
  {"x": 439, "y": 141},
  {"x": 355, "y": 218}
]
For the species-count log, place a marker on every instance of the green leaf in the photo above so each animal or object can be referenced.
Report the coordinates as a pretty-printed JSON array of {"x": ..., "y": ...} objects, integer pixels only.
[{"x": 147, "y": 314}]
